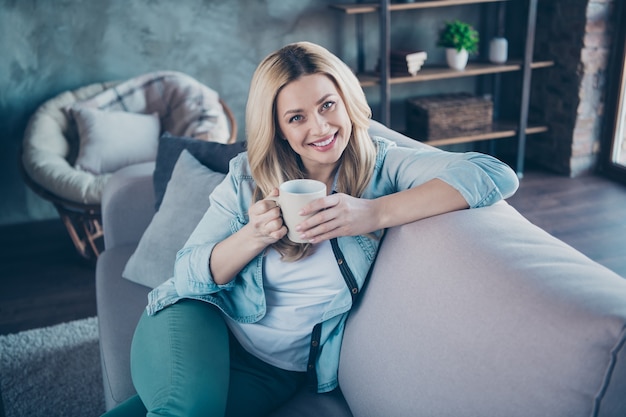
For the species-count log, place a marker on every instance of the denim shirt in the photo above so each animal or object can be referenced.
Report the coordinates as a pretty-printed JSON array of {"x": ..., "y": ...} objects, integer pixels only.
[{"x": 481, "y": 179}]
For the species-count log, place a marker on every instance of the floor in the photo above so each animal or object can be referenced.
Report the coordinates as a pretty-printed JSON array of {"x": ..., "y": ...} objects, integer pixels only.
[
  {"x": 43, "y": 281},
  {"x": 587, "y": 212}
]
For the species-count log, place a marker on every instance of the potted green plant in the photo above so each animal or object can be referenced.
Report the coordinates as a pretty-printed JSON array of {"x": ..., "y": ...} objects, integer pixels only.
[{"x": 460, "y": 39}]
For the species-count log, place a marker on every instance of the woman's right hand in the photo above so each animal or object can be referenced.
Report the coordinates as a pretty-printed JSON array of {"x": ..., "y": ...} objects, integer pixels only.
[
  {"x": 266, "y": 221},
  {"x": 265, "y": 226}
]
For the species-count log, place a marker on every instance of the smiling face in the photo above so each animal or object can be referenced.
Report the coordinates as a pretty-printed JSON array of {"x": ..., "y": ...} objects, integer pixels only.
[{"x": 312, "y": 117}]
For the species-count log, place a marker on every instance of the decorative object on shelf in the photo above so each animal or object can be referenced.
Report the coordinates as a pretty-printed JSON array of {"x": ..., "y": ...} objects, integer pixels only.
[
  {"x": 498, "y": 50},
  {"x": 447, "y": 115},
  {"x": 460, "y": 39},
  {"x": 404, "y": 63}
]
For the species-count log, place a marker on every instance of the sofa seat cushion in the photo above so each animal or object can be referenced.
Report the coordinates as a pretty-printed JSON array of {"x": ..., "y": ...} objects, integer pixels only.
[{"x": 481, "y": 313}]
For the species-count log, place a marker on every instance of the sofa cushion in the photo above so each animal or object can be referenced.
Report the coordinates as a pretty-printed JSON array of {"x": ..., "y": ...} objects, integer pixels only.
[
  {"x": 110, "y": 140},
  {"x": 185, "y": 201},
  {"x": 481, "y": 313},
  {"x": 213, "y": 155}
]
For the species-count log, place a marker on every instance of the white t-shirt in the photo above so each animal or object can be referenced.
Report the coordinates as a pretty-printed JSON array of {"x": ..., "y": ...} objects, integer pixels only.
[{"x": 297, "y": 294}]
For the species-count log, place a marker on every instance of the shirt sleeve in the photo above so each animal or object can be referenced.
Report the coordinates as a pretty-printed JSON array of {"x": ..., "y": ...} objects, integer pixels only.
[
  {"x": 192, "y": 275},
  {"x": 481, "y": 179}
]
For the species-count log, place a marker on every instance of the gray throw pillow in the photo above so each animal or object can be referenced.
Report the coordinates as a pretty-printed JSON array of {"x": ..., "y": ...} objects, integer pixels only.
[
  {"x": 185, "y": 201},
  {"x": 214, "y": 155}
]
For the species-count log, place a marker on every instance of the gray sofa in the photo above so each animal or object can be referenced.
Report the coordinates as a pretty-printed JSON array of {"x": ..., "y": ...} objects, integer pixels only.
[{"x": 472, "y": 313}]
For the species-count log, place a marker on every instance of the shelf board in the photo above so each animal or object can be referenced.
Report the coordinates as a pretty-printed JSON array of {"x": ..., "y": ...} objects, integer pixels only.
[
  {"x": 363, "y": 8},
  {"x": 498, "y": 131},
  {"x": 541, "y": 64},
  {"x": 442, "y": 72}
]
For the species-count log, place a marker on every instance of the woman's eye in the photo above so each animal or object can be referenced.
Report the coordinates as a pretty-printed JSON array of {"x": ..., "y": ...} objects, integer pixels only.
[
  {"x": 295, "y": 118},
  {"x": 328, "y": 105}
]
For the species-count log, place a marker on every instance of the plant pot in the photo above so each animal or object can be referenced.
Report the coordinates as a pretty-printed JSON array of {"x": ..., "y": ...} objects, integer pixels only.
[{"x": 456, "y": 59}]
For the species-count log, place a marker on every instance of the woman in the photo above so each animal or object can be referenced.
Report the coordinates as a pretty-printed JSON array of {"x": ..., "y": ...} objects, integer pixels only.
[{"x": 249, "y": 316}]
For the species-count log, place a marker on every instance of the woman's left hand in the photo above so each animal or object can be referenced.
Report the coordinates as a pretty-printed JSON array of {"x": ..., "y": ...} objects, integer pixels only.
[{"x": 338, "y": 215}]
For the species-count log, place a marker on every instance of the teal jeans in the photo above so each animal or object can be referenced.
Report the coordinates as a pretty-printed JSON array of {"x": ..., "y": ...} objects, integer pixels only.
[{"x": 185, "y": 362}]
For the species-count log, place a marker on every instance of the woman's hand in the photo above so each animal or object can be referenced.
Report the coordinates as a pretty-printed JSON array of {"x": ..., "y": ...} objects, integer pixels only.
[
  {"x": 266, "y": 221},
  {"x": 265, "y": 226},
  {"x": 343, "y": 215},
  {"x": 338, "y": 215}
]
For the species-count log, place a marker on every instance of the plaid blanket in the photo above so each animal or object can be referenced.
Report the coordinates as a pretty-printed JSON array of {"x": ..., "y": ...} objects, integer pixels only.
[{"x": 185, "y": 106}]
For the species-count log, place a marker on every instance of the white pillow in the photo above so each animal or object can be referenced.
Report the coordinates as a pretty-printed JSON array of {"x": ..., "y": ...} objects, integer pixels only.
[{"x": 110, "y": 140}]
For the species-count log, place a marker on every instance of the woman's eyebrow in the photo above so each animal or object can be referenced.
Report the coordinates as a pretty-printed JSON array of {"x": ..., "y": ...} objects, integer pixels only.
[
  {"x": 293, "y": 111},
  {"x": 323, "y": 99},
  {"x": 320, "y": 101}
]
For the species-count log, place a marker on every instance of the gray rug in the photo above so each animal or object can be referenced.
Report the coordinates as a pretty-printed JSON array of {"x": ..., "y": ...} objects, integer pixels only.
[{"x": 53, "y": 371}]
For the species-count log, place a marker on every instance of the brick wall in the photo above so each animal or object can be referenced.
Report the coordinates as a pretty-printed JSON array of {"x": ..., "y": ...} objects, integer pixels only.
[{"x": 570, "y": 96}]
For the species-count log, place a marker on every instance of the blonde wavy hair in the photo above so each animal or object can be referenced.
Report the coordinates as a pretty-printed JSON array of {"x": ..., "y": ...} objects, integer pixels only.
[{"x": 271, "y": 159}]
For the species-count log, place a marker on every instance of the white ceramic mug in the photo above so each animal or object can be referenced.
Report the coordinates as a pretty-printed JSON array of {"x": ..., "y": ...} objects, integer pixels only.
[{"x": 294, "y": 195}]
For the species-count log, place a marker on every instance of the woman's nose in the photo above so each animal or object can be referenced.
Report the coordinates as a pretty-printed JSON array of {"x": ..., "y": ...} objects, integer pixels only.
[{"x": 319, "y": 125}]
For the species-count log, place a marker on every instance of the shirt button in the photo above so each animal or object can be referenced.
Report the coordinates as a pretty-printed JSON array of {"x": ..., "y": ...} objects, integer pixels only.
[
  {"x": 310, "y": 366},
  {"x": 355, "y": 290},
  {"x": 314, "y": 343},
  {"x": 340, "y": 261}
]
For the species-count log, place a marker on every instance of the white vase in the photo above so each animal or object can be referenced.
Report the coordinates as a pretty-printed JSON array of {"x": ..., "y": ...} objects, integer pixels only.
[
  {"x": 456, "y": 59},
  {"x": 498, "y": 50}
]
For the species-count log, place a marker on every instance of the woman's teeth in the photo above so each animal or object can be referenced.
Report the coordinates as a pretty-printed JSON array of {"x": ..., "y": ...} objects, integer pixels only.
[{"x": 324, "y": 143}]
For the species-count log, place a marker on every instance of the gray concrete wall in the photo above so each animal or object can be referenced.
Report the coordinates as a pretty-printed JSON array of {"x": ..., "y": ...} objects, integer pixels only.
[
  {"x": 51, "y": 46},
  {"x": 47, "y": 47}
]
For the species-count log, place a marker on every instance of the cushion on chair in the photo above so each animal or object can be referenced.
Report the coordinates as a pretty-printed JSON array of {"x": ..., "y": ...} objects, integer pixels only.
[
  {"x": 50, "y": 143},
  {"x": 47, "y": 150},
  {"x": 110, "y": 140},
  {"x": 185, "y": 106}
]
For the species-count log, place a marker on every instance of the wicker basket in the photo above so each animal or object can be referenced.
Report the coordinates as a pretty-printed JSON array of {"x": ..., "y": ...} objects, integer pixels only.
[{"x": 448, "y": 115}]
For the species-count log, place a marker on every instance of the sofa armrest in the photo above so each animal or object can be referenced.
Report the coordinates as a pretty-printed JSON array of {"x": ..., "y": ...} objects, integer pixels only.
[
  {"x": 481, "y": 313},
  {"x": 128, "y": 205}
]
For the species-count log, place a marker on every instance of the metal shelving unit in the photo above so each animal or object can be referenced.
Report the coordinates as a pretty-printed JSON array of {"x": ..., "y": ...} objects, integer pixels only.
[{"x": 383, "y": 79}]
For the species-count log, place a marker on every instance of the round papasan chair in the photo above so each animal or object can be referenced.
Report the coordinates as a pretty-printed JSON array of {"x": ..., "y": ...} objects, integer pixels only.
[{"x": 52, "y": 140}]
